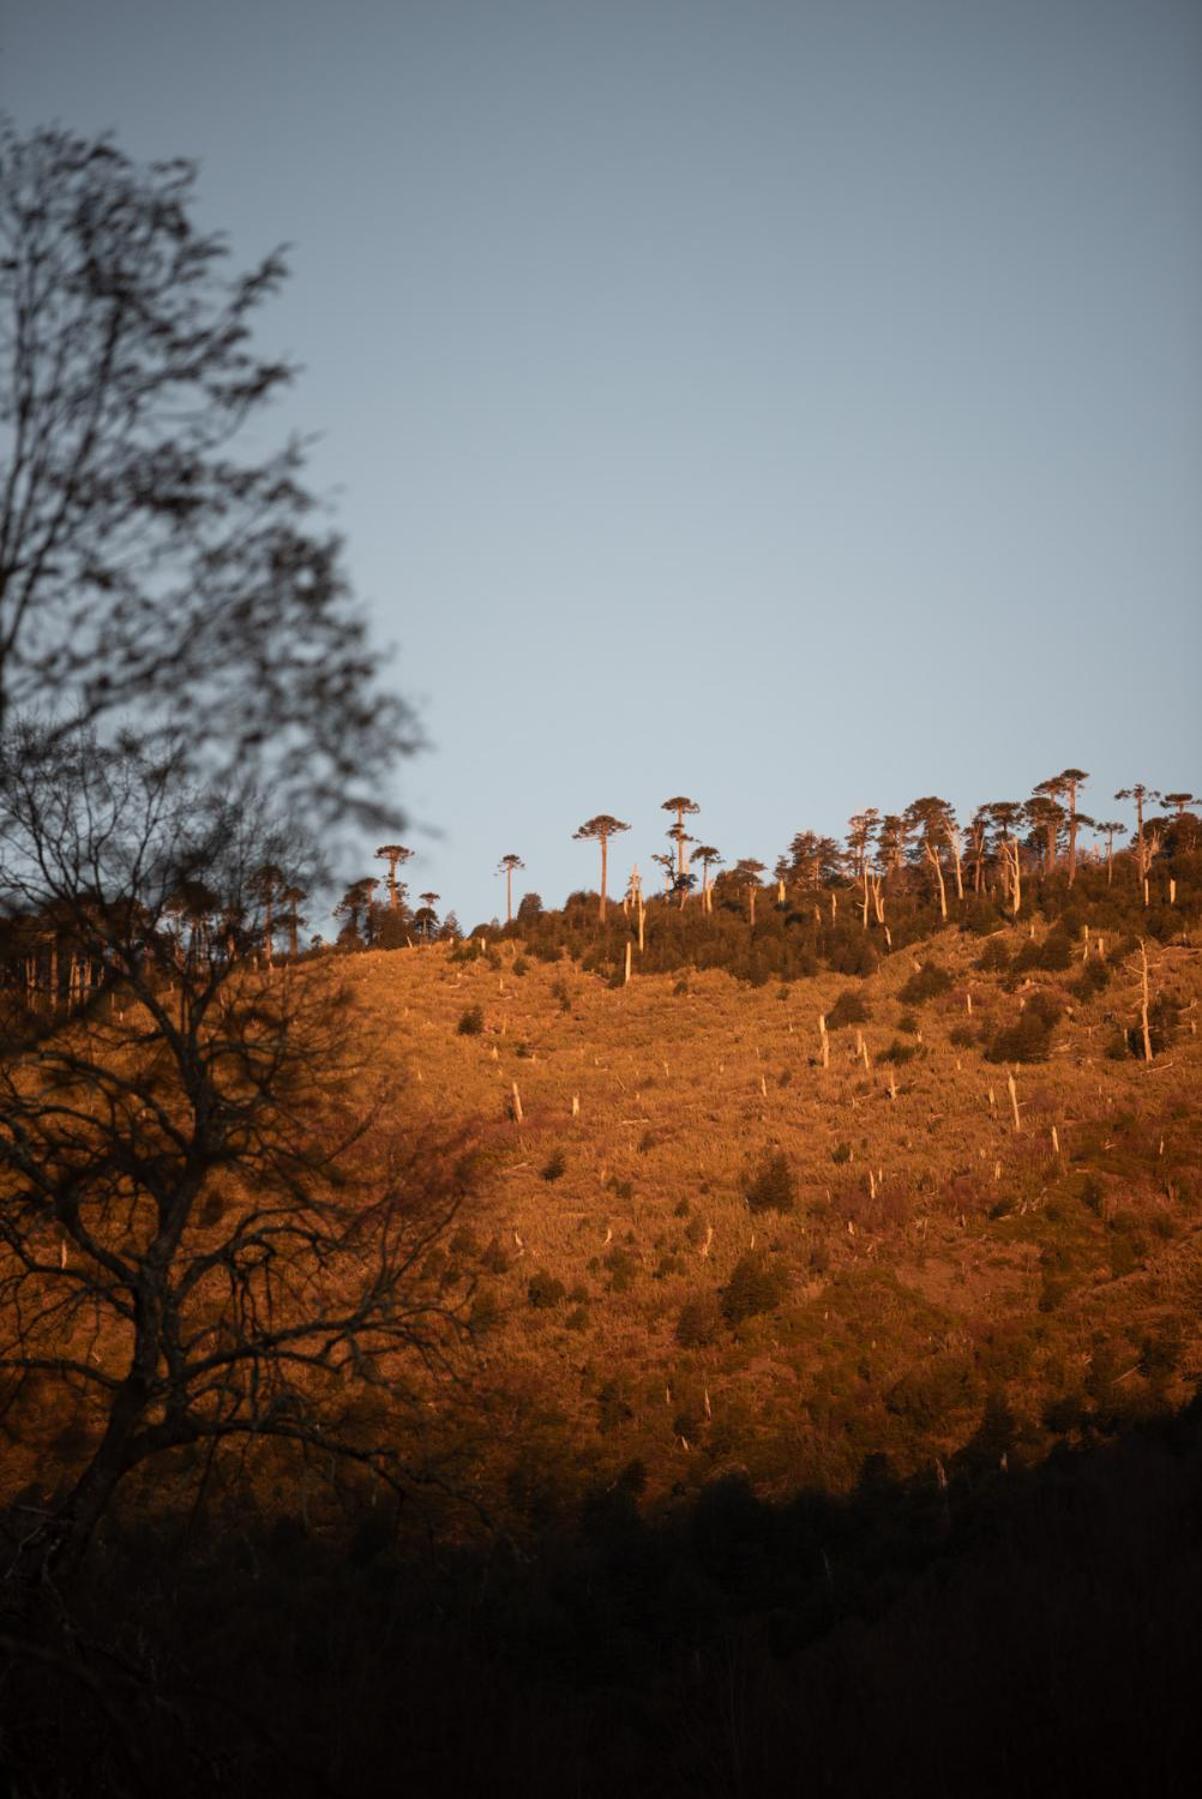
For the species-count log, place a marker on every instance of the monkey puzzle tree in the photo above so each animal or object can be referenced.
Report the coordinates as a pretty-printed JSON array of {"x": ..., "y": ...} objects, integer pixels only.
[
  {"x": 291, "y": 919},
  {"x": 1045, "y": 815},
  {"x": 1069, "y": 782},
  {"x": 747, "y": 872},
  {"x": 681, "y": 806},
  {"x": 599, "y": 830},
  {"x": 816, "y": 859},
  {"x": 425, "y": 919},
  {"x": 396, "y": 855},
  {"x": 354, "y": 909},
  {"x": 1144, "y": 851},
  {"x": 861, "y": 830},
  {"x": 507, "y": 866},
  {"x": 266, "y": 886},
  {"x": 682, "y": 881},
  {"x": 933, "y": 822}
]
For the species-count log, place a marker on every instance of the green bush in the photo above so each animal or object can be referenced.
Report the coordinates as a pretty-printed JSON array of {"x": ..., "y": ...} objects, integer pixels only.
[
  {"x": 1030, "y": 1038},
  {"x": 544, "y": 1291},
  {"x": 756, "y": 1285},
  {"x": 699, "y": 1323},
  {"x": 927, "y": 983},
  {"x": 773, "y": 1185},
  {"x": 471, "y": 1021},
  {"x": 849, "y": 1008}
]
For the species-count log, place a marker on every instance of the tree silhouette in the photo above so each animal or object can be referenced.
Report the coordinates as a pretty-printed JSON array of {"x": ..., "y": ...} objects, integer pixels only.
[
  {"x": 354, "y": 908},
  {"x": 207, "y": 1234},
  {"x": 507, "y": 866},
  {"x": 425, "y": 919},
  {"x": 599, "y": 830},
  {"x": 395, "y": 854},
  {"x": 149, "y": 568}
]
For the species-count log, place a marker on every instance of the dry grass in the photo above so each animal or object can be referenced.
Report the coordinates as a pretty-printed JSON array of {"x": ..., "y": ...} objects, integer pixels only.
[{"x": 925, "y": 1227}]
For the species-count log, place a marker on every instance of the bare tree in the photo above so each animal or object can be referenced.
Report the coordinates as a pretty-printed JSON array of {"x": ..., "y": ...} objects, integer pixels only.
[
  {"x": 507, "y": 866},
  {"x": 200, "y": 1238},
  {"x": 599, "y": 830},
  {"x": 150, "y": 569}
]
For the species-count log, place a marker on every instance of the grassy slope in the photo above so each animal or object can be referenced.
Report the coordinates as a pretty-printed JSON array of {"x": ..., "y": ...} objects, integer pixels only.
[{"x": 991, "y": 1292}]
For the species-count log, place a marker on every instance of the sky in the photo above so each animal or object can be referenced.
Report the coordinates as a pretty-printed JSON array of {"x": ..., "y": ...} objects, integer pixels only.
[{"x": 793, "y": 405}]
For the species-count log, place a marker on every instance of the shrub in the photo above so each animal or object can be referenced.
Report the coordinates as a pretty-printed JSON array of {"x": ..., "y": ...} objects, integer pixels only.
[
  {"x": 1030, "y": 1038},
  {"x": 699, "y": 1323},
  {"x": 622, "y": 1268},
  {"x": 849, "y": 1008},
  {"x": 1093, "y": 979},
  {"x": 471, "y": 1021},
  {"x": 898, "y": 1053},
  {"x": 994, "y": 958},
  {"x": 756, "y": 1285},
  {"x": 544, "y": 1291},
  {"x": 773, "y": 1186},
  {"x": 927, "y": 983},
  {"x": 555, "y": 1166},
  {"x": 494, "y": 1258}
]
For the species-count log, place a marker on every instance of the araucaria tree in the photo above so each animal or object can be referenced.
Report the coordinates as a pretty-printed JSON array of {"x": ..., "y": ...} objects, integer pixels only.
[
  {"x": 395, "y": 855},
  {"x": 681, "y": 806},
  {"x": 708, "y": 856},
  {"x": 508, "y": 866},
  {"x": 149, "y": 565},
  {"x": 599, "y": 830},
  {"x": 933, "y": 822}
]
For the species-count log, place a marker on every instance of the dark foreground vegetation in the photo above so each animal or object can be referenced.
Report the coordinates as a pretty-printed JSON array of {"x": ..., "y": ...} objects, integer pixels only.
[{"x": 980, "y": 1630}]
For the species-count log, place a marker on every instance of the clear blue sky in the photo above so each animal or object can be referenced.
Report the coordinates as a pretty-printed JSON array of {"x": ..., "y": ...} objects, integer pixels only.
[{"x": 794, "y": 405}]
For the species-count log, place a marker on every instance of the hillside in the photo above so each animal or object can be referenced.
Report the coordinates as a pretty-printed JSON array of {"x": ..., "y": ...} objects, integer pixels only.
[{"x": 701, "y": 1249}]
